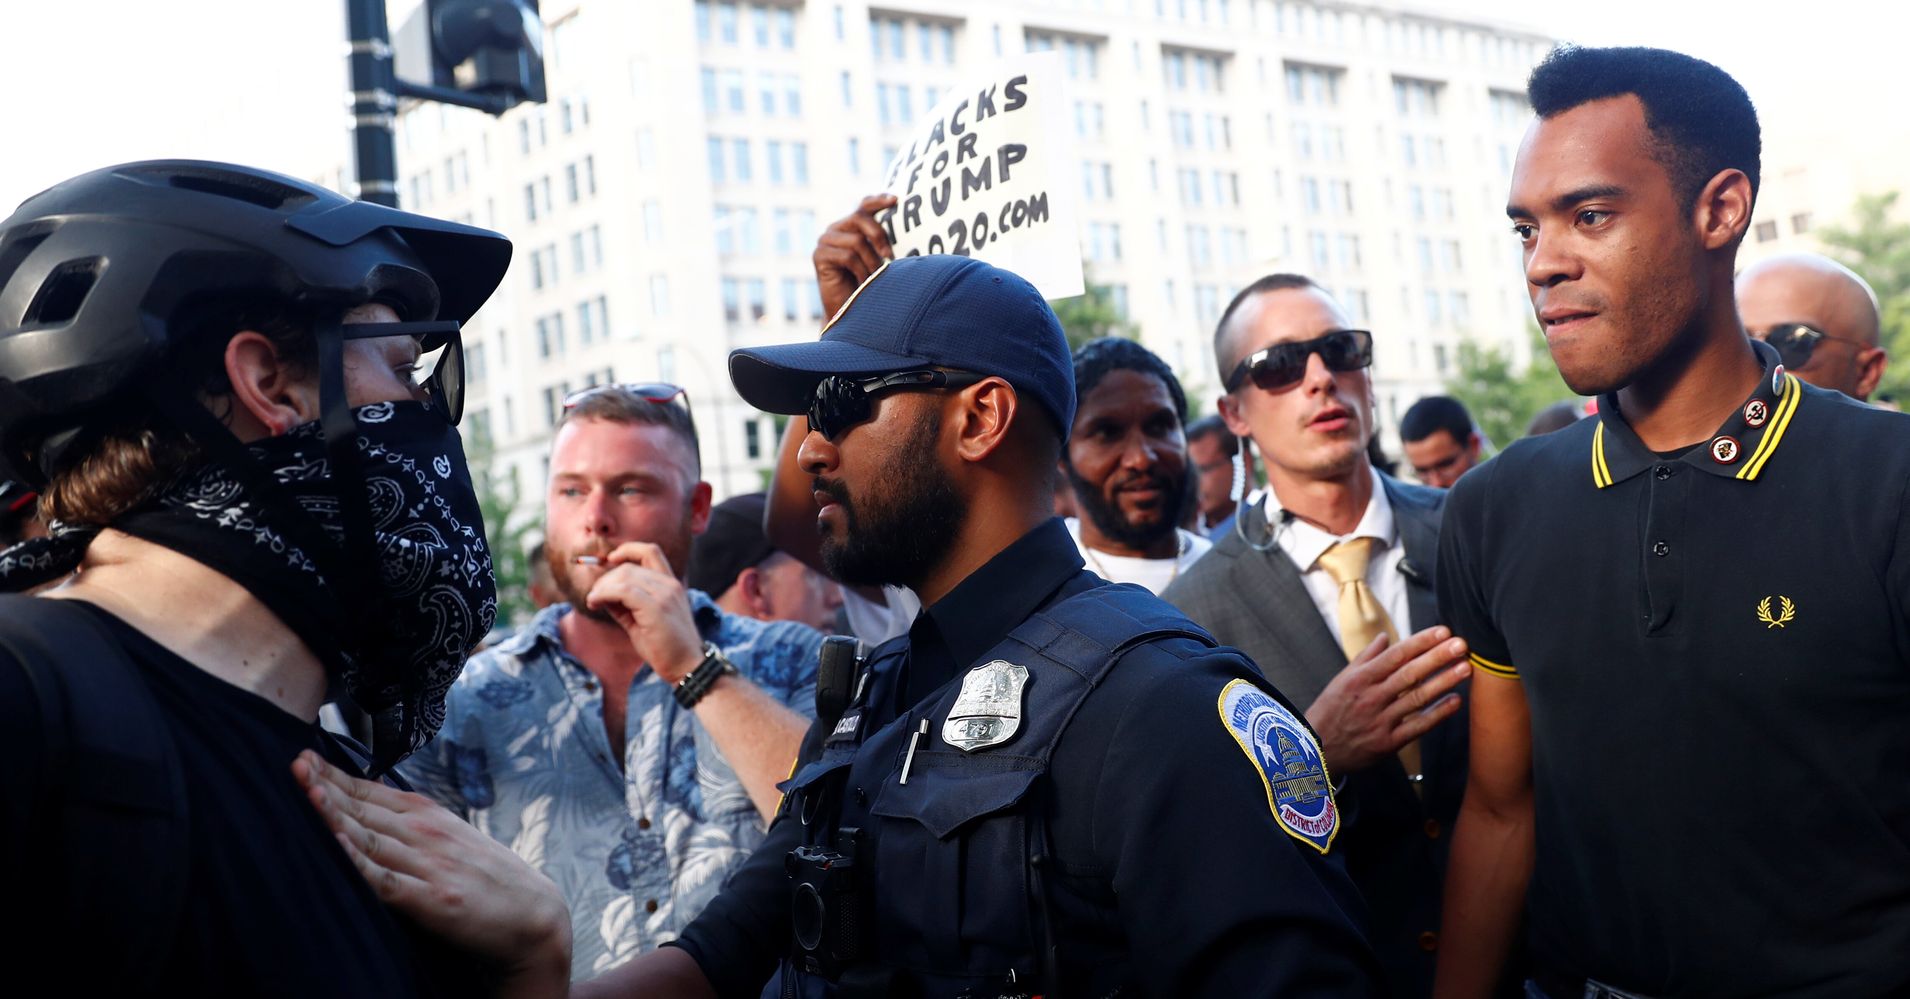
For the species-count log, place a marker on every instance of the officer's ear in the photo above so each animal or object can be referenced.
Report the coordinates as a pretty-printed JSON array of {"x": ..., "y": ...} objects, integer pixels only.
[{"x": 981, "y": 415}]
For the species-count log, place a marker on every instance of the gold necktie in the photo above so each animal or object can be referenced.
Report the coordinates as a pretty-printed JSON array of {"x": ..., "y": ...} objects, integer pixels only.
[{"x": 1362, "y": 619}]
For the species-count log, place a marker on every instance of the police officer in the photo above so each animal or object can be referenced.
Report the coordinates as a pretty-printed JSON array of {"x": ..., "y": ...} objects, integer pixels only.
[{"x": 1051, "y": 785}]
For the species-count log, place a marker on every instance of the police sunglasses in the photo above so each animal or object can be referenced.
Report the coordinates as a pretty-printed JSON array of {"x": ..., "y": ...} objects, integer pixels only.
[
  {"x": 1796, "y": 342},
  {"x": 842, "y": 401},
  {"x": 440, "y": 366},
  {"x": 1282, "y": 365},
  {"x": 657, "y": 393}
]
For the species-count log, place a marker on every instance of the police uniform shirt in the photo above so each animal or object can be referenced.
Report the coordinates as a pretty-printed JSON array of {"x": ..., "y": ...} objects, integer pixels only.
[
  {"x": 1172, "y": 872},
  {"x": 1712, "y": 645}
]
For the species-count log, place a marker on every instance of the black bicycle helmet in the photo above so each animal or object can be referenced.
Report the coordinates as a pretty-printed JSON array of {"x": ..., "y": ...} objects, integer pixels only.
[
  {"x": 16, "y": 505},
  {"x": 98, "y": 274}
]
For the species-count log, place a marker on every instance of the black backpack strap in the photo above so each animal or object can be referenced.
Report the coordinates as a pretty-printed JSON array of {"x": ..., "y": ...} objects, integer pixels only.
[{"x": 112, "y": 827}]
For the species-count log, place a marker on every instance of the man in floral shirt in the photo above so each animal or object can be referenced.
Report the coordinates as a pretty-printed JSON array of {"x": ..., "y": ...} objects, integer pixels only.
[{"x": 627, "y": 742}]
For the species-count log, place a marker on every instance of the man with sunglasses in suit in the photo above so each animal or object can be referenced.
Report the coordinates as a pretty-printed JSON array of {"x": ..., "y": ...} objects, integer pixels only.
[
  {"x": 626, "y": 742},
  {"x": 1821, "y": 317},
  {"x": 1327, "y": 586}
]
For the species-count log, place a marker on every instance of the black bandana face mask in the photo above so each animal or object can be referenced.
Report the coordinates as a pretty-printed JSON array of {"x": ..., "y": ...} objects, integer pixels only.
[{"x": 437, "y": 595}]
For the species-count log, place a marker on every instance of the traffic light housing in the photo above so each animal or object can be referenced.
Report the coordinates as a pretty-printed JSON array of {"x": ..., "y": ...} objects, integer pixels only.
[{"x": 491, "y": 48}]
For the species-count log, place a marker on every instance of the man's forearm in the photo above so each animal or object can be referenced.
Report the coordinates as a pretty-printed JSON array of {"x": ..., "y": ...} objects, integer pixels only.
[
  {"x": 1485, "y": 891},
  {"x": 667, "y": 973},
  {"x": 758, "y": 735}
]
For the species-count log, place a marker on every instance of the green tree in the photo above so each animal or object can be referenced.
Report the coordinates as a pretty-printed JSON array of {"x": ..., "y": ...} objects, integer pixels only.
[
  {"x": 504, "y": 530},
  {"x": 1878, "y": 248},
  {"x": 1501, "y": 400},
  {"x": 1091, "y": 315}
]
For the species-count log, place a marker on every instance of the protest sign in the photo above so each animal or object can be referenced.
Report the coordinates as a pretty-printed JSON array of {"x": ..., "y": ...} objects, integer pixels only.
[{"x": 991, "y": 173}]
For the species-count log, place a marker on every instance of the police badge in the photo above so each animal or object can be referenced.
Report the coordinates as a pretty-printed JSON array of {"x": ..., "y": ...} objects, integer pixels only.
[{"x": 988, "y": 710}]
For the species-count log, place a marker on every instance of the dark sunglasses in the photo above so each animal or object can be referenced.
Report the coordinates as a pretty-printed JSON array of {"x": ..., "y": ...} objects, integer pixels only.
[
  {"x": 1796, "y": 342},
  {"x": 440, "y": 366},
  {"x": 659, "y": 393},
  {"x": 1282, "y": 365},
  {"x": 842, "y": 401}
]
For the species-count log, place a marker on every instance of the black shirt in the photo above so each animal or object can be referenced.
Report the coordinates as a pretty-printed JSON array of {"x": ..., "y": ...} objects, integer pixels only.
[
  {"x": 273, "y": 906},
  {"x": 1170, "y": 861},
  {"x": 1713, "y": 648}
]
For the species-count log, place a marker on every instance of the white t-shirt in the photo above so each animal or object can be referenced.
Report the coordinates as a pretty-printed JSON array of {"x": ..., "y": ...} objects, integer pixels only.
[
  {"x": 1152, "y": 573},
  {"x": 1304, "y": 544},
  {"x": 875, "y": 623}
]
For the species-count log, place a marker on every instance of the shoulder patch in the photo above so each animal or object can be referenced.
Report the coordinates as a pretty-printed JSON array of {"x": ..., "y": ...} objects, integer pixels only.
[{"x": 1291, "y": 767}]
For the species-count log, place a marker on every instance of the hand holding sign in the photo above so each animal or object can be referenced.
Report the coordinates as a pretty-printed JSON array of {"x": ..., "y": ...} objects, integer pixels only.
[
  {"x": 850, "y": 250},
  {"x": 988, "y": 175}
]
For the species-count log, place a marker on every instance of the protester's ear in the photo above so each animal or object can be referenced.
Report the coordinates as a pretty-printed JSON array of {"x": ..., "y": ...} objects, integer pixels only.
[
  {"x": 270, "y": 395},
  {"x": 983, "y": 412}
]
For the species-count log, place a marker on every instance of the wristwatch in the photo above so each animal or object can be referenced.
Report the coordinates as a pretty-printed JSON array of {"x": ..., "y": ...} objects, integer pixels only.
[{"x": 698, "y": 681}]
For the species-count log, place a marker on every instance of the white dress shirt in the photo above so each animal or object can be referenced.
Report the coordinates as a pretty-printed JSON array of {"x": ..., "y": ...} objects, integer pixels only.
[{"x": 1305, "y": 543}]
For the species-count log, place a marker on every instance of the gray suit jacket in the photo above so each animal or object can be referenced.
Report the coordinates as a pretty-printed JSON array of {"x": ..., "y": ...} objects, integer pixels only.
[{"x": 1393, "y": 838}]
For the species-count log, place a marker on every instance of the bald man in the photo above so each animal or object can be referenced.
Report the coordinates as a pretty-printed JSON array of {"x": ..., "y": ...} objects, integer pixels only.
[{"x": 1821, "y": 317}]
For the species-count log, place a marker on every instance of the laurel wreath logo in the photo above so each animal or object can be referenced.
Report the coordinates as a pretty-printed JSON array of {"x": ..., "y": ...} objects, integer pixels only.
[{"x": 1785, "y": 612}]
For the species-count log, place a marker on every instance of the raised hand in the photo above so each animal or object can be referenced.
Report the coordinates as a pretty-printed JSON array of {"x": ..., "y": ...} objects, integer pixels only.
[
  {"x": 850, "y": 250},
  {"x": 447, "y": 877},
  {"x": 1388, "y": 696},
  {"x": 644, "y": 597}
]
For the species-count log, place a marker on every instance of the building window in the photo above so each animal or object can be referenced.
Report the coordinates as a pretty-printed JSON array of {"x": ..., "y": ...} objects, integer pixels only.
[
  {"x": 740, "y": 147},
  {"x": 653, "y": 221},
  {"x": 1766, "y": 231},
  {"x": 758, "y": 291},
  {"x": 1801, "y": 223},
  {"x": 732, "y": 292},
  {"x": 659, "y": 295}
]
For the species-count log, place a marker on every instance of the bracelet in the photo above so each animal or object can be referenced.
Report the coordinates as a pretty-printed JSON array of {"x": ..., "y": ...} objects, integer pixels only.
[{"x": 698, "y": 681}]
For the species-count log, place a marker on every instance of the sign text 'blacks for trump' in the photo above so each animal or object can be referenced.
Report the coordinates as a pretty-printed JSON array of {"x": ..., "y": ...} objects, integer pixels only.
[{"x": 984, "y": 175}]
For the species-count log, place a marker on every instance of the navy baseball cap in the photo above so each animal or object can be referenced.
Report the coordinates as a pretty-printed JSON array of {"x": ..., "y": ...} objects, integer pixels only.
[{"x": 929, "y": 311}]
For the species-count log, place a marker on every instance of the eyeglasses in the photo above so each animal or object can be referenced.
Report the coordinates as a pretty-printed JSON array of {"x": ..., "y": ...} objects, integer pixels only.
[
  {"x": 842, "y": 401},
  {"x": 1282, "y": 365},
  {"x": 1795, "y": 342},
  {"x": 440, "y": 366},
  {"x": 659, "y": 393}
]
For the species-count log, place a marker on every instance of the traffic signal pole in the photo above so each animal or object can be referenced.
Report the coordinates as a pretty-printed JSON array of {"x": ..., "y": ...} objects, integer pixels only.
[
  {"x": 374, "y": 96},
  {"x": 375, "y": 90}
]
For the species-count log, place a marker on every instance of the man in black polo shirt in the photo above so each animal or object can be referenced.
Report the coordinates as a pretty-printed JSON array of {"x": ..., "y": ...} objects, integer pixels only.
[{"x": 1690, "y": 766}]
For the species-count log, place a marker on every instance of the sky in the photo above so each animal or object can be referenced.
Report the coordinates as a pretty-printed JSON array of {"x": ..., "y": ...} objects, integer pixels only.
[{"x": 97, "y": 82}]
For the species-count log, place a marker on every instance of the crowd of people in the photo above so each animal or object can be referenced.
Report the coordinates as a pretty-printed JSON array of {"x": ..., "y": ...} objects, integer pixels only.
[{"x": 1019, "y": 678}]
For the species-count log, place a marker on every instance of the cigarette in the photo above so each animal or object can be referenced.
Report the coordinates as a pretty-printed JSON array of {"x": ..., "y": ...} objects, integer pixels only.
[{"x": 588, "y": 560}]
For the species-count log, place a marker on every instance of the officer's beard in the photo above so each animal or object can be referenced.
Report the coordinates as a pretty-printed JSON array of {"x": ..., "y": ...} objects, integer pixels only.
[{"x": 896, "y": 536}]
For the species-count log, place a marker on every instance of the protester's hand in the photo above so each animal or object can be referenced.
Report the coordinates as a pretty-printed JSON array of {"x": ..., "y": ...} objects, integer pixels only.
[
  {"x": 449, "y": 878},
  {"x": 647, "y": 601},
  {"x": 1388, "y": 696},
  {"x": 850, "y": 250}
]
